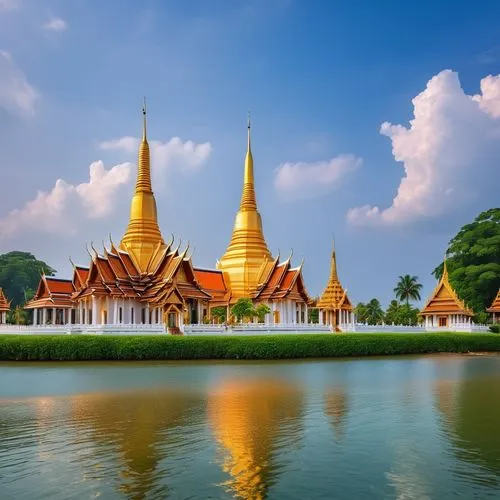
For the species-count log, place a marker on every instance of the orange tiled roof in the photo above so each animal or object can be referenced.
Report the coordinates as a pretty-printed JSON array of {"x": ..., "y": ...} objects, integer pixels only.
[
  {"x": 444, "y": 299},
  {"x": 4, "y": 303},
  {"x": 495, "y": 305},
  {"x": 52, "y": 292},
  {"x": 56, "y": 285},
  {"x": 209, "y": 279}
]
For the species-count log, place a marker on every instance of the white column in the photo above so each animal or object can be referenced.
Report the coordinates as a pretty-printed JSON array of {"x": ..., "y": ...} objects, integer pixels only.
[
  {"x": 44, "y": 316},
  {"x": 94, "y": 311},
  {"x": 35, "y": 316},
  {"x": 306, "y": 314}
]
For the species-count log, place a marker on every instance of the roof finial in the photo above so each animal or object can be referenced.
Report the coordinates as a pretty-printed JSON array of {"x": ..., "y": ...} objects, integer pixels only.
[{"x": 144, "y": 119}]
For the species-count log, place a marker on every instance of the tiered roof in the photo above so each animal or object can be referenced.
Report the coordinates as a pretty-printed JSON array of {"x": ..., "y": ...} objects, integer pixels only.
[
  {"x": 212, "y": 281},
  {"x": 114, "y": 273},
  {"x": 52, "y": 292},
  {"x": 4, "y": 303},
  {"x": 281, "y": 281},
  {"x": 495, "y": 305},
  {"x": 444, "y": 299},
  {"x": 334, "y": 296}
]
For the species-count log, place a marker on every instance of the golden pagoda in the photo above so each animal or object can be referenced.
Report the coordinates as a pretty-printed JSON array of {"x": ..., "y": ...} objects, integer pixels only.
[
  {"x": 334, "y": 306},
  {"x": 143, "y": 240},
  {"x": 247, "y": 252},
  {"x": 494, "y": 309},
  {"x": 4, "y": 308},
  {"x": 444, "y": 309}
]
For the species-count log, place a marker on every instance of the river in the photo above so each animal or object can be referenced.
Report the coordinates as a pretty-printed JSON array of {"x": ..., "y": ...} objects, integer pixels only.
[{"x": 399, "y": 427}]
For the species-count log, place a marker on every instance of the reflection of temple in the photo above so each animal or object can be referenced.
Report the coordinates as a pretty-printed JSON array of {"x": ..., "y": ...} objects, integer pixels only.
[
  {"x": 247, "y": 418},
  {"x": 336, "y": 407},
  {"x": 470, "y": 407},
  {"x": 142, "y": 427}
]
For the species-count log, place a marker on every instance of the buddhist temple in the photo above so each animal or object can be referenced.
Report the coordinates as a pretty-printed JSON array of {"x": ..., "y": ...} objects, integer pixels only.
[
  {"x": 145, "y": 280},
  {"x": 335, "y": 308},
  {"x": 444, "y": 309},
  {"x": 248, "y": 268},
  {"x": 494, "y": 309},
  {"x": 4, "y": 308}
]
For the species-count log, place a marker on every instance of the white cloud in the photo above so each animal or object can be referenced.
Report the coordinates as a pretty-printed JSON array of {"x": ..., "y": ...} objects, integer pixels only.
[
  {"x": 165, "y": 156},
  {"x": 56, "y": 24},
  {"x": 309, "y": 180},
  {"x": 17, "y": 96},
  {"x": 67, "y": 205},
  {"x": 450, "y": 153}
]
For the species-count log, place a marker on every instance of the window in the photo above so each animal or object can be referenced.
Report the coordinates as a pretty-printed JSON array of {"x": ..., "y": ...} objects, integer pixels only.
[
  {"x": 143, "y": 315},
  {"x": 120, "y": 315},
  {"x": 443, "y": 321},
  {"x": 132, "y": 315}
]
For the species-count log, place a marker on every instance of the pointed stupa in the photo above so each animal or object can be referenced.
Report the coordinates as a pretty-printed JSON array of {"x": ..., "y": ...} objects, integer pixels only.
[
  {"x": 143, "y": 238},
  {"x": 334, "y": 296},
  {"x": 247, "y": 250}
]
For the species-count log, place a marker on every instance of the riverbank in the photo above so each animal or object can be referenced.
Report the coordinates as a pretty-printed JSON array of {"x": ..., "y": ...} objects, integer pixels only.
[{"x": 131, "y": 347}]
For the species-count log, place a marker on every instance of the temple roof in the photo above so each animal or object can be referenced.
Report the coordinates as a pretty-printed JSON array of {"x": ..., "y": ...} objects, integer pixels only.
[
  {"x": 212, "y": 281},
  {"x": 444, "y": 299},
  {"x": 52, "y": 292},
  {"x": 282, "y": 282},
  {"x": 334, "y": 296},
  {"x": 114, "y": 273},
  {"x": 4, "y": 303},
  {"x": 495, "y": 305}
]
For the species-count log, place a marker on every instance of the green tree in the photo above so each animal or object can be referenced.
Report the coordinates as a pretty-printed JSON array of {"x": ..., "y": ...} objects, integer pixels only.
[
  {"x": 243, "y": 309},
  {"x": 392, "y": 314},
  {"x": 408, "y": 288},
  {"x": 313, "y": 315},
  {"x": 220, "y": 313},
  {"x": 19, "y": 275},
  {"x": 473, "y": 260},
  {"x": 361, "y": 312},
  {"x": 374, "y": 312},
  {"x": 260, "y": 311},
  {"x": 19, "y": 316}
]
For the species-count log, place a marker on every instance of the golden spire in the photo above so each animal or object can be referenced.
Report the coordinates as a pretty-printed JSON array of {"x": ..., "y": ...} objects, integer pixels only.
[
  {"x": 247, "y": 250},
  {"x": 333, "y": 264},
  {"x": 143, "y": 237}
]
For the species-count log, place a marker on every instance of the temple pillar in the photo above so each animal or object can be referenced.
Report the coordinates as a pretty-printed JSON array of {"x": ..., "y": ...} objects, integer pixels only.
[
  {"x": 35, "y": 317},
  {"x": 306, "y": 314},
  {"x": 94, "y": 311},
  {"x": 44, "y": 316}
]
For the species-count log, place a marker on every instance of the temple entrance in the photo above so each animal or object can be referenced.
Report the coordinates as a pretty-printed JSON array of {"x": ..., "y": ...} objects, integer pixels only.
[
  {"x": 172, "y": 320},
  {"x": 276, "y": 315},
  {"x": 443, "y": 321}
]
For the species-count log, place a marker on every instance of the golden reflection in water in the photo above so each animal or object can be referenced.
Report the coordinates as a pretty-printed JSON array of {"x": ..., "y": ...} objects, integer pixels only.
[
  {"x": 336, "y": 407},
  {"x": 247, "y": 417},
  {"x": 141, "y": 427},
  {"x": 470, "y": 409}
]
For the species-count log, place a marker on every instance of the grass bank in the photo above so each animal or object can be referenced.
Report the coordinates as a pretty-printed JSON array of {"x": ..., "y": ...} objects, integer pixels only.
[{"x": 79, "y": 348}]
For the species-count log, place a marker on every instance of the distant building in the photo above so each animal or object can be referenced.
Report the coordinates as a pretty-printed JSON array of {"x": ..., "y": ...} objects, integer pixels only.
[
  {"x": 494, "y": 309},
  {"x": 444, "y": 310},
  {"x": 4, "y": 307}
]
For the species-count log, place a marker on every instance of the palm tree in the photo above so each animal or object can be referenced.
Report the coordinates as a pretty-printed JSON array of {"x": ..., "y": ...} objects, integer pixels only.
[
  {"x": 408, "y": 288},
  {"x": 374, "y": 313}
]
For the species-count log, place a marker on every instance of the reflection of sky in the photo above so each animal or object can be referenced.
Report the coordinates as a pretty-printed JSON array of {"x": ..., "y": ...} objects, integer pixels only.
[{"x": 369, "y": 428}]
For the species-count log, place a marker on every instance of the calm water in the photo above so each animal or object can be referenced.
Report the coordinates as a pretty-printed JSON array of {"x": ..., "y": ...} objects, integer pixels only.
[{"x": 426, "y": 427}]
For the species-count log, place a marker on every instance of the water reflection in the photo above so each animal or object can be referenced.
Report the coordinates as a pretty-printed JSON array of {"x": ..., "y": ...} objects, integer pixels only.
[
  {"x": 139, "y": 429},
  {"x": 336, "y": 408},
  {"x": 251, "y": 421},
  {"x": 470, "y": 409}
]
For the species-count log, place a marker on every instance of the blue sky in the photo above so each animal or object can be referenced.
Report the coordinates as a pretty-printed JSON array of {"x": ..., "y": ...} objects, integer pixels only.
[{"x": 320, "y": 79}]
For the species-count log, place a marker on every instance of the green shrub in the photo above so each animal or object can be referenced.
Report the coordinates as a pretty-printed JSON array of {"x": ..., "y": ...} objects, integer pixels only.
[
  {"x": 495, "y": 328},
  {"x": 136, "y": 347}
]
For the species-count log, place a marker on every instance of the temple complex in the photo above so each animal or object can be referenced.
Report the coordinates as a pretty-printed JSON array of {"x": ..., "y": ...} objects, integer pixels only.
[
  {"x": 444, "y": 309},
  {"x": 335, "y": 308},
  {"x": 494, "y": 309},
  {"x": 4, "y": 308}
]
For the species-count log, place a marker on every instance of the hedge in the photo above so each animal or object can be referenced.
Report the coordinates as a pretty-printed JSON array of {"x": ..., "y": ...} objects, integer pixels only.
[{"x": 135, "y": 347}]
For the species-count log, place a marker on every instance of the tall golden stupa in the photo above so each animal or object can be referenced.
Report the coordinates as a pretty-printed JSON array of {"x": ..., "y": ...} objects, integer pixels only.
[
  {"x": 142, "y": 239},
  {"x": 247, "y": 252}
]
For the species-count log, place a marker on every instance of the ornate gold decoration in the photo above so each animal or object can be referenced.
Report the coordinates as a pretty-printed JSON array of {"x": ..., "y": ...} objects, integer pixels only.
[
  {"x": 143, "y": 239},
  {"x": 247, "y": 250}
]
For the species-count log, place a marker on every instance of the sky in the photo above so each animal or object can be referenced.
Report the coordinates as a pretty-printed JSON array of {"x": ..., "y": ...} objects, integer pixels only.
[{"x": 373, "y": 123}]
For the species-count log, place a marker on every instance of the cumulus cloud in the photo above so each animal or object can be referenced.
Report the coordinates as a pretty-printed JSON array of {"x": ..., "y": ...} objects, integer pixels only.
[
  {"x": 64, "y": 207},
  {"x": 55, "y": 24},
  {"x": 449, "y": 153},
  {"x": 165, "y": 156},
  {"x": 309, "y": 180},
  {"x": 17, "y": 96}
]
